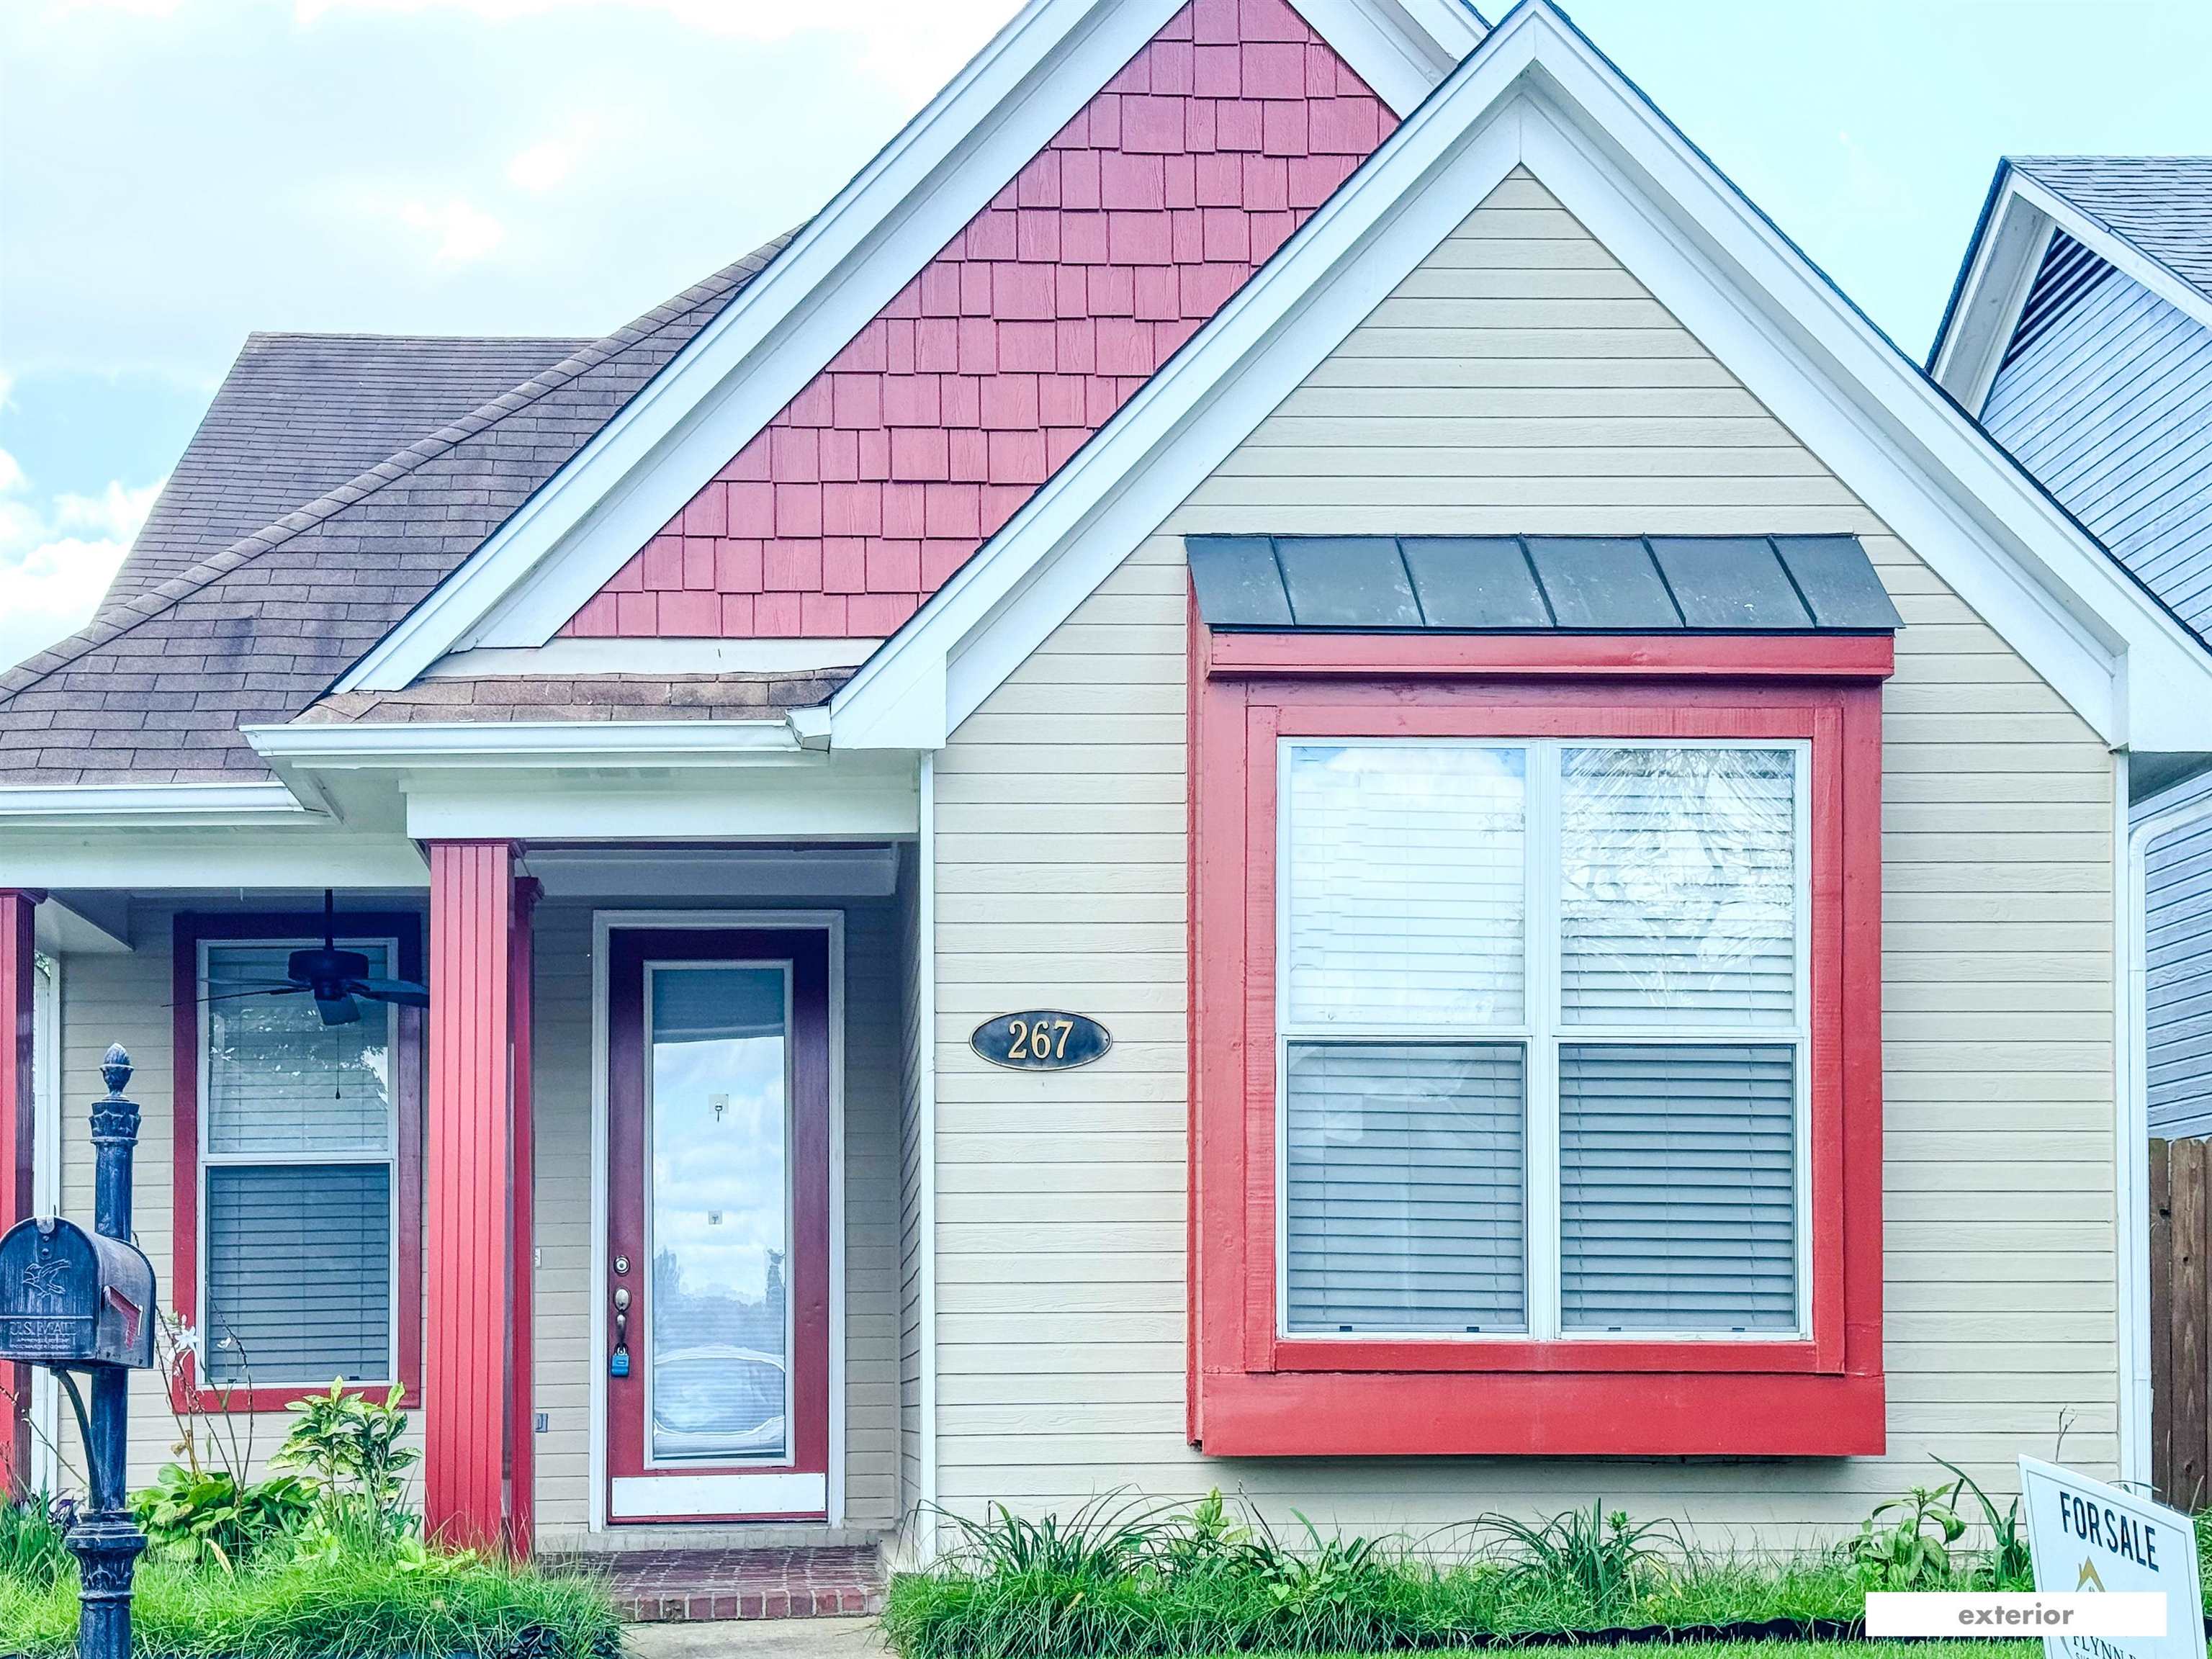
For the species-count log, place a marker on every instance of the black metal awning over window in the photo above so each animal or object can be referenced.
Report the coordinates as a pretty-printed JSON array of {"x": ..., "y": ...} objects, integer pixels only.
[{"x": 1540, "y": 584}]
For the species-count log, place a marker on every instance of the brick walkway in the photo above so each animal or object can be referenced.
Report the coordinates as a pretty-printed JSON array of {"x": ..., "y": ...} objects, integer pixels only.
[{"x": 663, "y": 1586}]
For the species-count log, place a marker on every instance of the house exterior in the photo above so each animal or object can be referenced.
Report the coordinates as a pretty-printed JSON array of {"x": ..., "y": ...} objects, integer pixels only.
[
  {"x": 1589, "y": 799},
  {"x": 2080, "y": 333}
]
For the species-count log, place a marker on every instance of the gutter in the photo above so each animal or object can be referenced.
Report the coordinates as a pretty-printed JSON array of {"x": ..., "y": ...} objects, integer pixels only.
[{"x": 151, "y": 806}]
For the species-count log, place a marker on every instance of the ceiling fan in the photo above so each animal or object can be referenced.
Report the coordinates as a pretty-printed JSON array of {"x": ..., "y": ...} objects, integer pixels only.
[{"x": 335, "y": 978}]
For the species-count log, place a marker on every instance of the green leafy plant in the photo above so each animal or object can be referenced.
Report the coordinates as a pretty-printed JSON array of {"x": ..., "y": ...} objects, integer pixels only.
[
  {"x": 1208, "y": 1537},
  {"x": 1905, "y": 1544},
  {"x": 1331, "y": 1576},
  {"x": 31, "y": 1542},
  {"x": 205, "y": 1515},
  {"x": 344, "y": 1447},
  {"x": 1605, "y": 1560},
  {"x": 1111, "y": 1534},
  {"x": 2004, "y": 1565}
]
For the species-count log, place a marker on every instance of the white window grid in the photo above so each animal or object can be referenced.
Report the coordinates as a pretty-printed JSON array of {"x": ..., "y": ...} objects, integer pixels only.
[
  {"x": 1542, "y": 1032},
  {"x": 314, "y": 1158}
]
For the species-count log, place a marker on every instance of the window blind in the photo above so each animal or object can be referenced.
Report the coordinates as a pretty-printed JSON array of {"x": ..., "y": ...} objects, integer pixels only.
[
  {"x": 1678, "y": 885},
  {"x": 1406, "y": 876},
  {"x": 1404, "y": 1187},
  {"x": 1677, "y": 1187},
  {"x": 299, "y": 1274},
  {"x": 278, "y": 1080}
]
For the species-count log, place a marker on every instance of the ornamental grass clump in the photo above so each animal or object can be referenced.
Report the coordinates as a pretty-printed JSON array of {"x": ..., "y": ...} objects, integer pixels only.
[{"x": 1120, "y": 1581}]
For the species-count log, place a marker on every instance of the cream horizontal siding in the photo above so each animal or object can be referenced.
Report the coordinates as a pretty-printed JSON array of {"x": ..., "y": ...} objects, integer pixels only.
[{"x": 1520, "y": 382}]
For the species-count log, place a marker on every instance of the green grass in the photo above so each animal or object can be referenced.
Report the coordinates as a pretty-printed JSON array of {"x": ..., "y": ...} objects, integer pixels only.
[{"x": 360, "y": 1606}]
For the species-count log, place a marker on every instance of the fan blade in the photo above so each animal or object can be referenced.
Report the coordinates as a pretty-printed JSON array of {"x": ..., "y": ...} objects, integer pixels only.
[
  {"x": 286, "y": 989},
  {"x": 338, "y": 1011},
  {"x": 406, "y": 993}
]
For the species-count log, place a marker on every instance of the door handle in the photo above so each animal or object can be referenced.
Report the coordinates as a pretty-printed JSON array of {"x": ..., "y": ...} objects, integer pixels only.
[{"x": 618, "y": 1361}]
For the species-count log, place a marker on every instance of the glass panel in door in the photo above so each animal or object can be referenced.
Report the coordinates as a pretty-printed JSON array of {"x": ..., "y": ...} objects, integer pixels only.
[{"x": 718, "y": 1208}]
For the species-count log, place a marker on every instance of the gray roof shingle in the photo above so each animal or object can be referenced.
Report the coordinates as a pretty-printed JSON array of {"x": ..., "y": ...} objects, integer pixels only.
[
  {"x": 2161, "y": 203},
  {"x": 156, "y": 688},
  {"x": 301, "y": 414}
]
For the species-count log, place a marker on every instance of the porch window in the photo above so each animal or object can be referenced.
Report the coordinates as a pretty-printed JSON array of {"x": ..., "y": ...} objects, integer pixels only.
[
  {"x": 297, "y": 1232},
  {"x": 1540, "y": 1034},
  {"x": 299, "y": 1142}
]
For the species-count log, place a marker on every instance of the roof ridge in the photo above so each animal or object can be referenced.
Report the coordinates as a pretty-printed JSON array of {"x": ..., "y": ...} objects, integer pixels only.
[
  {"x": 112, "y": 621},
  {"x": 371, "y": 334}
]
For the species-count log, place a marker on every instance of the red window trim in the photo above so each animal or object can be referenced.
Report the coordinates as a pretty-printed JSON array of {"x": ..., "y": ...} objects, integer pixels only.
[
  {"x": 191, "y": 929},
  {"x": 1253, "y": 1392}
]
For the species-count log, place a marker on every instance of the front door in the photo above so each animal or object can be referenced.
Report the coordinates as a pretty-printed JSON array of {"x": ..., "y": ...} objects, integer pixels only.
[{"x": 718, "y": 1225}]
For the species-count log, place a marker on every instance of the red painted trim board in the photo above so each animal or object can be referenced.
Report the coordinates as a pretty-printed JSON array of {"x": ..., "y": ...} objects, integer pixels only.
[
  {"x": 188, "y": 931},
  {"x": 1255, "y": 1392},
  {"x": 18, "y": 1130}
]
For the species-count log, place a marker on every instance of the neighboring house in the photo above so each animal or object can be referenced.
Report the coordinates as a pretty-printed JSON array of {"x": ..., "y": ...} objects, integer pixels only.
[
  {"x": 2079, "y": 332},
  {"x": 1589, "y": 797}
]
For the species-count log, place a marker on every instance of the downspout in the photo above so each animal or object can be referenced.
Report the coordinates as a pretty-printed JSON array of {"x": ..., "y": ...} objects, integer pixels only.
[{"x": 2132, "y": 1057}]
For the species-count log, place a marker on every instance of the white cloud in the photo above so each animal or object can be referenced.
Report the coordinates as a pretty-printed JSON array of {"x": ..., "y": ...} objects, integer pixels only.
[
  {"x": 546, "y": 164},
  {"x": 462, "y": 233},
  {"x": 913, "y": 47},
  {"x": 58, "y": 556}
]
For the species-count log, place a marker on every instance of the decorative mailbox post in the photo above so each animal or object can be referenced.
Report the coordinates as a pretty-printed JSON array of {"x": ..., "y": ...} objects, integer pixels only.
[{"x": 73, "y": 1300}]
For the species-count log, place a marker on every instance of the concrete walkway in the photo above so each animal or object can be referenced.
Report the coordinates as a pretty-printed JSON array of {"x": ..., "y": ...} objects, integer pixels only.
[{"x": 758, "y": 1638}]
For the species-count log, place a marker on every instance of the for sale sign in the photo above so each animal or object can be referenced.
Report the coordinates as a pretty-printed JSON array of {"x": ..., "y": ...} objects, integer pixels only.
[{"x": 2086, "y": 1537}]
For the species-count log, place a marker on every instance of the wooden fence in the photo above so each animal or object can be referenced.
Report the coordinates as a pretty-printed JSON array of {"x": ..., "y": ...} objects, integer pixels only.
[{"x": 2181, "y": 1320}]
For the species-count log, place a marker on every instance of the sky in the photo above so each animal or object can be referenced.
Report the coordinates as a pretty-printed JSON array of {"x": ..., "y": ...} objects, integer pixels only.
[{"x": 175, "y": 172}]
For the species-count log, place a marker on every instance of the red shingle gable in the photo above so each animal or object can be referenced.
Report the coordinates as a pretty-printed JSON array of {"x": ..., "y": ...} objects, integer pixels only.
[{"x": 928, "y": 432}]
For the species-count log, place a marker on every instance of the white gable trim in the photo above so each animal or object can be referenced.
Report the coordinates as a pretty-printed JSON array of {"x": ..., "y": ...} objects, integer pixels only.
[
  {"x": 570, "y": 539},
  {"x": 2001, "y": 268},
  {"x": 1537, "y": 92}
]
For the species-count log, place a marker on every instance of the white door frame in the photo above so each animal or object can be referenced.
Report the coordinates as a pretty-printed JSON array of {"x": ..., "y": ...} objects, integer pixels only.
[{"x": 604, "y": 924}]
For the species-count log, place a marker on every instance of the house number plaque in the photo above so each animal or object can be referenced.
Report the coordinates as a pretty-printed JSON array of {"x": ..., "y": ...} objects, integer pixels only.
[{"x": 1040, "y": 1040}]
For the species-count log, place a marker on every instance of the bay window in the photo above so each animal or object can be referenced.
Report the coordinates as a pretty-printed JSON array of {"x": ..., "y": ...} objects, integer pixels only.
[{"x": 1535, "y": 1029}]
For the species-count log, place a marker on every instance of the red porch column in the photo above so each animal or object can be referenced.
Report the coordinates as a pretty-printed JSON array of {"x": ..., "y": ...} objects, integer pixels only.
[
  {"x": 469, "y": 1191},
  {"x": 18, "y": 1123}
]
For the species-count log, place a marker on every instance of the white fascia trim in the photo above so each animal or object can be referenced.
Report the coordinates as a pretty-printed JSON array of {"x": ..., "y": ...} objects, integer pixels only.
[
  {"x": 151, "y": 804},
  {"x": 1402, "y": 48},
  {"x": 1918, "y": 462},
  {"x": 2001, "y": 272},
  {"x": 564, "y": 543},
  {"x": 1996, "y": 288},
  {"x": 534, "y": 745},
  {"x": 564, "y": 659}
]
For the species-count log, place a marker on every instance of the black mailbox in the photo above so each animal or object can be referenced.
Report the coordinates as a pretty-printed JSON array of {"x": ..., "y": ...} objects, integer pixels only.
[{"x": 69, "y": 1296}]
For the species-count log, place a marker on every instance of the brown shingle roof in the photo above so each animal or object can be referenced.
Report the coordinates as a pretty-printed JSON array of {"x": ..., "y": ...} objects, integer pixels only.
[
  {"x": 299, "y": 415},
  {"x": 579, "y": 697},
  {"x": 154, "y": 689}
]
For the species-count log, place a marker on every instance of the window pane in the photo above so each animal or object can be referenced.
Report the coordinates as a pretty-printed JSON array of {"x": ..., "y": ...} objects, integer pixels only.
[
  {"x": 1678, "y": 885},
  {"x": 720, "y": 1208},
  {"x": 1405, "y": 885},
  {"x": 1403, "y": 1208},
  {"x": 278, "y": 1080},
  {"x": 299, "y": 1274},
  {"x": 1678, "y": 1189}
]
